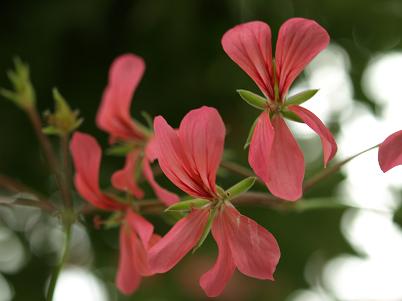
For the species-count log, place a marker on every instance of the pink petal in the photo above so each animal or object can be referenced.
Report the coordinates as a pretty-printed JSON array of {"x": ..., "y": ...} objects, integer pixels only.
[
  {"x": 114, "y": 113},
  {"x": 202, "y": 134},
  {"x": 167, "y": 197},
  {"x": 125, "y": 179},
  {"x": 276, "y": 158},
  {"x": 128, "y": 278},
  {"x": 174, "y": 160},
  {"x": 214, "y": 281},
  {"x": 249, "y": 46},
  {"x": 299, "y": 41},
  {"x": 390, "y": 152},
  {"x": 328, "y": 142},
  {"x": 141, "y": 226},
  {"x": 254, "y": 249},
  {"x": 183, "y": 236},
  {"x": 86, "y": 154}
]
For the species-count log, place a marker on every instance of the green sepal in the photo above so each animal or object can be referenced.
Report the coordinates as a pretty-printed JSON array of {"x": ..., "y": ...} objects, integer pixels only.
[
  {"x": 64, "y": 120},
  {"x": 291, "y": 116},
  {"x": 207, "y": 229},
  {"x": 23, "y": 94},
  {"x": 186, "y": 206},
  {"x": 250, "y": 134},
  {"x": 241, "y": 187},
  {"x": 172, "y": 217},
  {"x": 301, "y": 97},
  {"x": 148, "y": 119},
  {"x": 253, "y": 99},
  {"x": 119, "y": 149},
  {"x": 114, "y": 220}
]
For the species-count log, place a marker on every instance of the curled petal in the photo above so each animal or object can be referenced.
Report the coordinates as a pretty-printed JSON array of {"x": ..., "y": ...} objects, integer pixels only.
[
  {"x": 390, "y": 152},
  {"x": 167, "y": 197},
  {"x": 214, "y": 281},
  {"x": 128, "y": 278},
  {"x": 276, "y": 158},
  {"x": 249, "y": 46},
  {"x": 299, "y": 41},
  {"x": 141, "y": 226},
  {"x": 114, "y": 113},
  {"x": 202, "y": 134},
  {"x": 86, "y": 154},
  {"x": 125, "y": 179},
  {"x": 190, "y": 156},
  {"x": 328, "y": 142},
  {"x": 254, "y": 249},
  {"x": 183, "y": 236}
]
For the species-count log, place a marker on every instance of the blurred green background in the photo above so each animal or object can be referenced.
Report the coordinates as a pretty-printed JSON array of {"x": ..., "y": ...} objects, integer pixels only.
[{"x": 70, "y": 45}]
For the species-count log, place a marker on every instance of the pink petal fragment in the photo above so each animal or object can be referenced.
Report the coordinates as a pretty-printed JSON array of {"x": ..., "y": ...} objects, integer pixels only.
[
  {"x": 254, "y": 249},
  {"x": 174, "y": 162},
  {"x": 328, "y": 142},
  {"x": 249, "y": 46},
  {"x": 141, "y": 226},
  {"x": 86, "y": 154},
  {"x": 114, "y": 113},
  {"x": 276, "y": 158},
  {"x": 125, "y": 179},
  {"x": 183, "y": 236},
  {"x": 299, "y": 41},
  {"x": 202, "y": 134},
  {"x": 390, "y": 152},
  {"x": 128, "y": 278},
  {"x": 167, "y": 197},
  {"x": 214, "y": 281}
]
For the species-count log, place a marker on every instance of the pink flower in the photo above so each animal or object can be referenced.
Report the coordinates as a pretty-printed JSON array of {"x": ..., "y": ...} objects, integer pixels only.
[
  {"x": 190, "y": 157},
  {"x": 136, "y": 233},
  {"x": 114, "y": 117},
  {"x": 274, "y": 154},
  {"x": 390, "y": 152}
]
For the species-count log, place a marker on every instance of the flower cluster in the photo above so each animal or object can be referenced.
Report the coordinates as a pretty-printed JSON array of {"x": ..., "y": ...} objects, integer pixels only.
[{"x": 190, "y": 157}]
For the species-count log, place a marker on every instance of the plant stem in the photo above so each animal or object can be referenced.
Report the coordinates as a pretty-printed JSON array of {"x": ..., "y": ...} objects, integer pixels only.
[
  {"x": 49, "y": 154},
  {"x": 239, "y": 169},
  {"x": 330, "y": 170},
  {"x": 67, "y": 175},
  {"x": 59, "y": 267}
]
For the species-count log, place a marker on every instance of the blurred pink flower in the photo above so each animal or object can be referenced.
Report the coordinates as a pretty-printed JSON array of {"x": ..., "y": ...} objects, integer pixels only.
[
  {"x": 114, "y": 117},
  {"x": 136, "y": 233},
  {"x": 190, "y": 157},
  {"x": 390, "y": 152},
  {"x": 274, "y": 154}
]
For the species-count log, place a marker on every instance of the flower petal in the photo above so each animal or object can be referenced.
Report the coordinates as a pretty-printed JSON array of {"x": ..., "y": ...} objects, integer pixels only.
[
  {"x": 254, "y": 249},
  {"x": 183, "y": 236},
  {"x": 249, "y": 46},
  {"x": 390, "y": 152},
  {"x": 141, "y": 226},
  {"x": 125, "y": 179},
  {"x": 174, "y": 162},
  {"x": 114, "y": 113},
  {"x": 328, "y": 142},
  {"x": 202, "y": 134},
  {"x": 276, "y": 158},
  {"x": 86, "y": 154},
  {"x": 167, "y": 197},
  {"x": 299, "y": 41},
  {"x": 214, "y": 281},
  {"x": 128, "y": 278}
]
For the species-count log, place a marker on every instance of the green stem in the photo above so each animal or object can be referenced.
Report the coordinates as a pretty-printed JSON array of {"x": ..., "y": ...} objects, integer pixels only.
[
  {"x": 59, "y": 267},
  {"x": 67, "y": 175},
  {"x": 330, "y": 170}
]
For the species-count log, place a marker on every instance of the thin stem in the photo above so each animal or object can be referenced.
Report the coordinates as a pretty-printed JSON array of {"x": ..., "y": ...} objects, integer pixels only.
[
  {"x": 330, "y": 170},
  {"x": 59, "y": 267},
  {"x": 67, "y": 175},
  {"x": 237, "y": 168},
  {"x": 49, "y": 154}
]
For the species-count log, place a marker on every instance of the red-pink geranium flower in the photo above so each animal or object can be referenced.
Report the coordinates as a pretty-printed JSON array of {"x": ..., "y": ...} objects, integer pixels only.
[
  {"x": 190, "y": 157},
  {"x": 114, "y": 117},
  {"x": 390, "y": 152},
  {"x": 136, "y": 233},
  {"x": 274, "y": 154}
]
